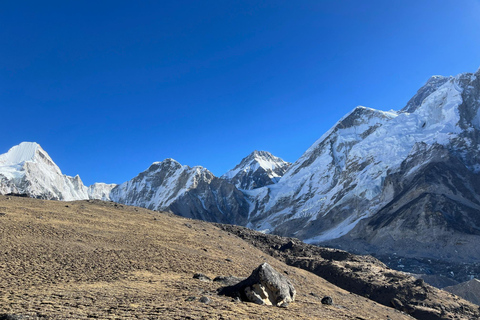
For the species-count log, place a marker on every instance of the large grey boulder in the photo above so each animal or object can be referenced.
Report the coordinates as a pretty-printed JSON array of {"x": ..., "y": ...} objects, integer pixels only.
[{"x": 265, "y": 286}]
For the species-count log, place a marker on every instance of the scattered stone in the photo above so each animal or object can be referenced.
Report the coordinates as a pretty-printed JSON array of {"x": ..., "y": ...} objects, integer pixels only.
[
  {"x": 206, "y": 300},
  {"x": 265, "y": 286},
  {"x": 2, "y": 214},
  {"x": 190, "y": 298},
  {"x": 188, "y": 225},
  {"x": 327, "y": 300},
  {"x": 314, "y": 294},
  {"x": 229, "y": 260},
  {"x": 419, "y": 282},
  {"x": 202, "y": 277}
]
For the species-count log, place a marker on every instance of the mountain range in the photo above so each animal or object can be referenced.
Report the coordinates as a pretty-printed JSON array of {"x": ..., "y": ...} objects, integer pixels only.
[{"x": 402, "y": 185}]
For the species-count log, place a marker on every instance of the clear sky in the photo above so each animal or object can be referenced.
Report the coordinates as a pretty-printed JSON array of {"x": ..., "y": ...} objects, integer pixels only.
[{"x": 108, "y": 87}]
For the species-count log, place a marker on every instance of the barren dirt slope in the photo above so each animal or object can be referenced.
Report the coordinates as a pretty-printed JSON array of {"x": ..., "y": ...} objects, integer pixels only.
[{"x": 78, "y": 260}]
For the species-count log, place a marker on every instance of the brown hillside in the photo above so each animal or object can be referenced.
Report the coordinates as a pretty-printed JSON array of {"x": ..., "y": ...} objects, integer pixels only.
[{"x": 85, "y": 259}]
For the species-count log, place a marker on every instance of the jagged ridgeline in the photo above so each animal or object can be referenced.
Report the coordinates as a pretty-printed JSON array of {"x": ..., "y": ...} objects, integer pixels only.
[{"x": 382, "y": 182}]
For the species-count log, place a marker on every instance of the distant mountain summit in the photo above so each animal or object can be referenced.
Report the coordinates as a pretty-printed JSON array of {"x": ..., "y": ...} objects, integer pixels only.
[{"x": 258, "y": 169}]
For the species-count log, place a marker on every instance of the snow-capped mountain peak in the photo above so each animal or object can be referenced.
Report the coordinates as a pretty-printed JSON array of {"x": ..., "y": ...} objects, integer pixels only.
[
  {"x": 27, "y": 168},
  {"x": 258, "y": 169}
]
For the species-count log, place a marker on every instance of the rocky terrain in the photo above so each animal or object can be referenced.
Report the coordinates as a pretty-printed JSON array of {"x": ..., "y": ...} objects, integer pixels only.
[
  {"x": 93, "y": 259},
  {"x": 362, "y": 275}
]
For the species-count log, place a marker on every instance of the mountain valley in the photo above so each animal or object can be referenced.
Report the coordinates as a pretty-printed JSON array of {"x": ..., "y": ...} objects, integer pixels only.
[{"x": 401, "y": 185}]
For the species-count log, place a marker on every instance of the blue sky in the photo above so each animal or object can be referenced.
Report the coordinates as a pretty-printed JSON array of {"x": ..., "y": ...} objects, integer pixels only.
[{"x": 108, "y": 87}]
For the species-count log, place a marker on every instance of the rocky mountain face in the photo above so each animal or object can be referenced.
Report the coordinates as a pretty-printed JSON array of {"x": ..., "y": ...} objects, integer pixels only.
[
  {"x": 389, "y": 182},
  {"x": 429, "y": 204},
  {"x": 319, "y": 181},
  {"x": 189, "y": 192},
  {"x": 258, "y": 169}
]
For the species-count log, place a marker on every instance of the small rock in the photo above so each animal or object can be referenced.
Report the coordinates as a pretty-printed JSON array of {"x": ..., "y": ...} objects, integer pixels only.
[
  {"x": 228, "y": 259},
  {"x": 190, "y": 298},
  {"x": 2, "y": 214},
  {"x": 206, "y": 300},
  {"x": 188, "y": 225},
  {"x": 202, "y": 277},
  {"x": 327, "y": 300},
  {"x": 419, "y": 282}
]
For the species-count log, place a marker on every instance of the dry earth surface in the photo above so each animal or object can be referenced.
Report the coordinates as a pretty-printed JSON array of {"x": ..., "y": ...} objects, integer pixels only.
[{"x": 93, "y": 259}]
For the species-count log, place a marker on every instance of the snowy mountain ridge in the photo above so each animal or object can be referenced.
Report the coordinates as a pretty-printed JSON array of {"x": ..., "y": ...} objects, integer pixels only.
[
  {"x": 158, "y": 186},
  {"x": 192, "y": 192}
]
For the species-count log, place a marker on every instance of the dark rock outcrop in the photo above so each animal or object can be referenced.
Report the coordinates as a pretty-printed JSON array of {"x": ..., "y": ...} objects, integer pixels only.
[{"x": 265, "y": 286}]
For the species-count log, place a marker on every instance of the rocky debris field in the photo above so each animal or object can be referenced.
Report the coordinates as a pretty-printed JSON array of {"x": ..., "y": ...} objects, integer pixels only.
[
  {"x": 94, "y": 259},
  {"x": 363, "y": 275}
]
